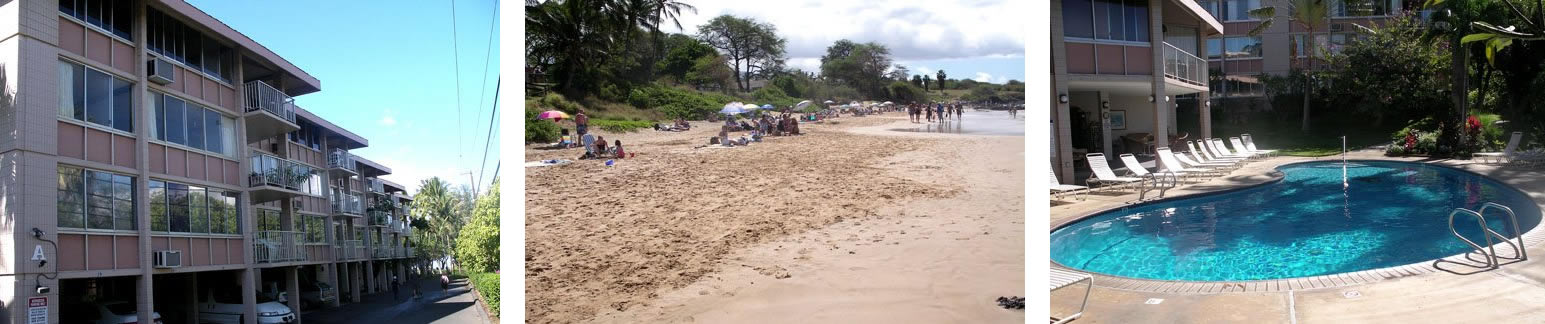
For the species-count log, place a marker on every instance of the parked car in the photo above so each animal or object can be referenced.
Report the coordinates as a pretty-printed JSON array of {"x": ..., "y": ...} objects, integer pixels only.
[
  {"x": 226, "y": 308},
  {"x": 105, "y": 312},
  {"x": 317, "y": 293}
]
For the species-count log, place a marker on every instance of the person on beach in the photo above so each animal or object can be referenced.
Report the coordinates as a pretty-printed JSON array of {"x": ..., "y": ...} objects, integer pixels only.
[
  {"x": 929, "y": 112},
  {"x": 581, "y": 122},
  {"x": 620, "y": 153},
  {"x": 600, "y": 145},
  {"x": 940, "y": 108}
]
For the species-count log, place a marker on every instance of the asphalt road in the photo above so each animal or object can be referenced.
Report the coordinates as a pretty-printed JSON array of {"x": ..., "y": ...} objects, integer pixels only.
[{"x": 454, "y": 306}]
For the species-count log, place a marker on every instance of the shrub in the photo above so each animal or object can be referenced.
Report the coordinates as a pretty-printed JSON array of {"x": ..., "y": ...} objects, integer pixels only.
[
  {"x": 620, "y": 126},
  {"x": 678, "y": 103},
  {"x": 553, "y": 101},
  {"x": 1396, "y": 148},
  {"x": 539, "y": 130},
  {"x": 487, "y": 285},
  {"x": 773, "y": 96}
]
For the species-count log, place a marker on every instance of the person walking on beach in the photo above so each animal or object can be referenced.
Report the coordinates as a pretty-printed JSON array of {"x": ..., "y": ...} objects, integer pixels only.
[
  {"x": 928, "y": 111},
  {"x": 581, "y": 122},
  {"x": 912, "y": 112},
  {"x": 940, "y": 109}
]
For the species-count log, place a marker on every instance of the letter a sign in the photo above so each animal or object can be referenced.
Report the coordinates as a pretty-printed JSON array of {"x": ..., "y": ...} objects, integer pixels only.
[{"x": 37, "y": 253}]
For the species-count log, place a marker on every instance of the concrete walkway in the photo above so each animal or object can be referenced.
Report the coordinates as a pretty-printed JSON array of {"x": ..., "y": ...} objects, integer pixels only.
[
  {"x": 457, "y": 305},
  {"x": 1513, "y": 293}
]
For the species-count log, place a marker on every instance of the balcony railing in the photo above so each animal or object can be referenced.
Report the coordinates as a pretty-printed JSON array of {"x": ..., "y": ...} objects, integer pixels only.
[
  {"x": 380, "y": 218},
  {"x": 269, "y": 170},
  {"x": 278, "y": 246},
  {"x": 261, "y": 96},
  {"x": 349, "y": 249},
  {"x": 384, "y": 252},
  {"x": 346, "y": 203},
  {"x": 340, "y": 159},
  {"x": 1184, "y": 66},
  {"x": 374, "y": 185}
]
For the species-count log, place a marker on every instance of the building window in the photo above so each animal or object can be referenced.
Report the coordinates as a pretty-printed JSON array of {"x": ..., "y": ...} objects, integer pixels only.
[
  {"x": 1122, "y": 20},
  {"x": 315, "y": 230},
  {"x": 113, "y": 16},
  {"x": 1240, "y": 9},
  {"x": 180, "y": 42},
  {"x": 181, "y": 208},
  {"x": 309, "y": 135},
  {"x": 93, "y": 96},
  {"x": 1323, "y": 44},
  {"x": 95, "y": 200},
  {"x": 268, "y": 220},
  {"x": 1361, "y": 8},
  {"x": 185, "y": 123},
  {"x": 1241, "y": 47}
]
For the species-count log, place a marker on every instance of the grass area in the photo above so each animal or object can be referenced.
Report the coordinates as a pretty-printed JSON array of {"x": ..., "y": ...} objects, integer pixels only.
[
  {"x": 621, "y": 126},
  {"x": 487, "y": 286},
  {"x": 1290, "y": 141}
]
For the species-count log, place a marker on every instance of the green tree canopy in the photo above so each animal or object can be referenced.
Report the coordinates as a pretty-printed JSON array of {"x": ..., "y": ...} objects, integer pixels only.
[{"x": 477, "y": 246}]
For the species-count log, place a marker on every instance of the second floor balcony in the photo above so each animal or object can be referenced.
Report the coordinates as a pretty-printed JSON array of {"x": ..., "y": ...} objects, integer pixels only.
[
  {"x": 1183, "y": 66},
  {"x": 278, "y": 246},
  {"x": 381, "y": 218},
  {"x": 347, "y": 204},
  {"x": 375, "y": 186},
  {"x": 269, "y": 112},
  {"x": 341, "y": 164},
  {"x": 273, "y": 178},
  {"x": 349, "y": 250}
]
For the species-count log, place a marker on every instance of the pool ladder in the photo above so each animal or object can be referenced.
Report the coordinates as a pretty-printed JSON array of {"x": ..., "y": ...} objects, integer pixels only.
[
  {"x": 1490, "y": 250},
  {"x": 1157, "y": 183}
]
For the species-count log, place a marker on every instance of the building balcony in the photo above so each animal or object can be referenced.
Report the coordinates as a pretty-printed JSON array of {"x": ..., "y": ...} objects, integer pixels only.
[
  {"x": 269, "y": 112},
  {"x": 375, "y": 186},
  {"x": 278, "y": 246},
  {"x": 380, "y": 218},
  {"x": 1183, "y": 66},
  {"x": 346, "y": 204},
  {"x": 349, "y": 250},
  {"x": 340, "y": 164},
  {"x": 273, "y": 178}
]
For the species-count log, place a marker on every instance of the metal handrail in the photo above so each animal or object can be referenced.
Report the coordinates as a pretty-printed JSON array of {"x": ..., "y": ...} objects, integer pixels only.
[
  {"x": 1184, "y": 66},
  {"x": 341, "y": 159},
  {"x": 278, "y": 246},
  {"x": 271, "y": 170},
  {"x": 1491, "y": 258},
  {"x": 1513, "y": 220},
  {"x": 261, "y": 96}
]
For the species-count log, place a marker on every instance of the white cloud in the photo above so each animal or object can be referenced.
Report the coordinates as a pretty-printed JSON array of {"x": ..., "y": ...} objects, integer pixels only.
[
  {"x": 983, "y": 77},
  {"x": 388, "y": 118}
]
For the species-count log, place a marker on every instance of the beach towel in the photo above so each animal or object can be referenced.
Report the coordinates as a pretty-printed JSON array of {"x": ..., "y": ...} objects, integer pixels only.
[{"x": 544, "y": 163}]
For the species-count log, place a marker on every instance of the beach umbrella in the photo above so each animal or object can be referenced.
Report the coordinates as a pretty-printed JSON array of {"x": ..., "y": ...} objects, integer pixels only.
[
  {"x": 803, "y": 104},
  {"x": 552, "y": 114},
  {"x": 829, "y": 102},
  {"x": 732, "y": 108},
  {"x": 889, "y": 103},
  {"x": 767, "y": 106}
]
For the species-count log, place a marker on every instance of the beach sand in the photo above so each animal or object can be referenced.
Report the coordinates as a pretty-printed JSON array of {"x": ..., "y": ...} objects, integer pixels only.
[{"x": 849, "y": 223}]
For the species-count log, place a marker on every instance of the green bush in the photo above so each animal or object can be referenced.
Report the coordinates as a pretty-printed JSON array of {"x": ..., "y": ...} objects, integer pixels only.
[
  {"x": 487, "y": 285},
  {"x": 539, "y": 130},
  {"x": 773, "y": 96},
  {"x": 621, "y": 126},
  {"x": 1396, "y": 148},
  {"x": 553, "y": 101},
  {"x": 678, "y": 103}
]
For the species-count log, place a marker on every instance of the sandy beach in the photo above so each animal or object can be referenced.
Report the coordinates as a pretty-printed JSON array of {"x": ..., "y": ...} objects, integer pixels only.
[{"x": 850, "y": 223}]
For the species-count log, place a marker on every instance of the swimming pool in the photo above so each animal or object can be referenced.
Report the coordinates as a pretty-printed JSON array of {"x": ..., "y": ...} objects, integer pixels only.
[{"x": 1393, "y": 213}]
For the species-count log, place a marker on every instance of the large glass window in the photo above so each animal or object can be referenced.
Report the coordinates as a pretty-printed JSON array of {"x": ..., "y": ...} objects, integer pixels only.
[
  {"x": 315, "y": 229},
  {"x": 1360, "y": 8},
  {"x": 1242, "y": 47},
  {"x": 1124, "y": 20},
  {"x": 90, "y": 95},
  {"x": 1240, "y": 9},
  {"x": 190, "y": 209},
  {"x": 1323, "y": 44},
  {"x": 116, "y": 17},
  {"x": 268, "y": 220},
  {"x": 193, "y": 125},
  {"x": 180, "y": 42},
  {"x": 95, "y": 199},
  {"x": 1214, "y": 48}
]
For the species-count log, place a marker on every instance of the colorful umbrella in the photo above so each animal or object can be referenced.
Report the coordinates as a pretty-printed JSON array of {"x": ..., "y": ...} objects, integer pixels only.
[
  {"x": 802, "y": 104},
  {"x": 732, "y": 108},
  {"x": 767, "y": 106},
  {"x": 553, "y": 114}
]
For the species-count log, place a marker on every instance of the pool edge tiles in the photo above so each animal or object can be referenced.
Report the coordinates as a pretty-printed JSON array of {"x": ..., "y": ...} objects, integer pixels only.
[{"x": 1532, "y": 237}]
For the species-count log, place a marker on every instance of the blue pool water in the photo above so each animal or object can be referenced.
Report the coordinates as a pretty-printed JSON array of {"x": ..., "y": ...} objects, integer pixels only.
[{"x": 1393, "y": 213}]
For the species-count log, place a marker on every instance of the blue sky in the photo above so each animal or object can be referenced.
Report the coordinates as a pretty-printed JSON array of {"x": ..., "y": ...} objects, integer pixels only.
[
  {"x": 387, "y": 74},
  {"x": 967, "y": 39}
]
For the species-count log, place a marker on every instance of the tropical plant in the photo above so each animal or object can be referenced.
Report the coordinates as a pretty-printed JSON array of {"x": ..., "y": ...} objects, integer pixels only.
[
  {"x": 436, "y": 219},
  {"x": 477, "y": 246},
  {"x": 747, "y": 43},
  {"x": 1305, "y": 13},
  {"x": 940, "y": 75}
]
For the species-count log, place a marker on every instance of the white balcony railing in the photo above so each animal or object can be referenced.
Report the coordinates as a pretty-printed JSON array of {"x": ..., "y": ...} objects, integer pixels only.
[
  {"x": 261, "y": 96},
  {"x": 375, "y": 185},
  {"x": 348, "y": 249},
  {"x": 1184, "y": 66},
  {"x": 269, "y": 170},
  {"x": 346, "y": 203},
  {"x": 340, "y": 159},
  {"x": 278, "y": 246}
]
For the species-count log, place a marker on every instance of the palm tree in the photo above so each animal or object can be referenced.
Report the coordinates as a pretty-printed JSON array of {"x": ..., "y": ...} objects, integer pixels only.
[
  {"x": 440, "y": 211},
  {"x": 1305, "y": 13},
  {"x": 940, "y": 76}
]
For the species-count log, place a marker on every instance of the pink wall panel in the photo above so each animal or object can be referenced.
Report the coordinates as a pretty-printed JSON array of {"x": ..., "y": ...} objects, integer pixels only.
[
  {"x": 1239, "y": 28},
  {"x": 71, "y": 142},
  {"x": 128, "y": 252},
  {"x": 176, "y": 162},
  {"x": 218, "y": 251},
  {"x": 232, "y": 173},
  {"x": 182, "y": 76},
  {"x": 123, "y": 57},
  {"x": 99, "y": 146},
  {"x": 212, "y": 167},
  {"x": 211, "y": 93},
  {"x": 72, "y": 36},
  {"x": 228, "y": 99},
  {"x": 237, "y": 254},
  {"x": 72, "y": 252},
  {"x": 181, "y": 244},
  {"x": 123, "y": 151},
  {"x": 1109, "y": 59},
  {"x": 98, "y": 47},
  {"x": 159, "y": 243},
  {"x": 99, "y": 252},
  {"x": 198, "y": 253},
  {"x": 1139, "y": 60},
  {"x": 196, "y": 166},
  {"x": 1080, "y": 58},
  {"x": 157, "y": 158}
]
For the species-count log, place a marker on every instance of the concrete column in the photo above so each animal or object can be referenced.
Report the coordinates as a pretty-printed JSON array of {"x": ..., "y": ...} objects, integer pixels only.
[
  {"x": 191, "y": 289},
  {"x": 354, "y": 281},
  {"x": 145, "y": 291},
  {"x": 1104, "y": 116},
  {"x": 1203, "y": 99},
  {"x": 248, "y": 280},
  {"x": 1061, "y": 120},
  {"x": 292, "y": 287},
  {"x": 370, "y": 275},
  {"x": 330, "y": 275},
  {"x": 1161, "y": 106}
]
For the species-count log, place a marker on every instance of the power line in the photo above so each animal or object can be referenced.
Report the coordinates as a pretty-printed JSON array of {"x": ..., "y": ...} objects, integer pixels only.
[
  {"x": 493, "y": 23},
  {"x": 489, "y": 139},
  {"x": 456, "y": 60}
]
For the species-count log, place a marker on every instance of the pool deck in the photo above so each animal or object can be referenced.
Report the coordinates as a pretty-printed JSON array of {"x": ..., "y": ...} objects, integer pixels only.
[{"x": 1419, "y": 293}]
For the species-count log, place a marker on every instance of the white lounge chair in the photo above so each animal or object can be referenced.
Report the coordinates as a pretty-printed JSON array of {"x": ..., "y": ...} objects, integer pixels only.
[
  {"x": 1136, "y": 168},
  {"x": 1250, "y": 144},
  {"x": 1063, "y": 278},
  {"x": 1170, "y": 163},
  {"x": 1058, "y": 188},
  {"x": 1202, "y": 155},
  {"x": 1223, "y": 151},
  {"x": 1507, "y": 153},
  {"x": 1239, "y": 146},
  {"x": 1102, "y": 176},
  {"x": 1211, "y": 165}
]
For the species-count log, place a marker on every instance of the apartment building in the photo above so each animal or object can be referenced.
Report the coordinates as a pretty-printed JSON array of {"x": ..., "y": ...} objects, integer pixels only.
[
  {"x": 152, "y": 160},
  {"x": 1236, "y": 60},
  {"x": 1119, "y": 70}
]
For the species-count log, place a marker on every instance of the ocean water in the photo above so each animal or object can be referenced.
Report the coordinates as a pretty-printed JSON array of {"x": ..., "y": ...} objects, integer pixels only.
[
  {"x": 973, "y": 122},
  {"x": 1392, "y": 213}
]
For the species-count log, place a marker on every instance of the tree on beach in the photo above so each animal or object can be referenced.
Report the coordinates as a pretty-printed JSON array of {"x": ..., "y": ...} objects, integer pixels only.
[
  {"x": 917, "y": 81},
  {"x": 925, "y": 82},
  {"x": 861, "y": 66},
  {"x": 941, "y": 81},
  {"x": 898, "y": 73},
  {"x": 477, "y": 246},
  {"x": 746, "y": 43},
  {"x": 436, "y": 219}
]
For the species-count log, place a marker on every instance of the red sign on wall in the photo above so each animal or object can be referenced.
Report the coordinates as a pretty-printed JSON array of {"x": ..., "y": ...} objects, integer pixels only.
[{"x": 37, "y": 302}]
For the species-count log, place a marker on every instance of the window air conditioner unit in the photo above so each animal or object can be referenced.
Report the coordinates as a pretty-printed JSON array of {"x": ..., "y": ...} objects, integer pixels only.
[
  {"x": 161, "y": 71},
  {"x": 1336, "y": 27},
  {"x": 167, "y": 259}
]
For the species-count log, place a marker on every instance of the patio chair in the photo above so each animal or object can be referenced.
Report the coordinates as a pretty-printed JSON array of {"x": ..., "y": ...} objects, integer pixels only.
[
  {"x": 1202, "y": 155},
  {"x": 1168, "y": 160},
  {"x": 1239, "y": 146},
  {"x": 1214, "y": 165},
  {"x": 1250, "y": 144},
  {"x": 1062, "y": 278},
  {"x": 1507, "y": 153},
  {"x": 1217, "y": 145},
  {"x": 1058, "y": 188},
  {"x": 1103, "y": 176}
]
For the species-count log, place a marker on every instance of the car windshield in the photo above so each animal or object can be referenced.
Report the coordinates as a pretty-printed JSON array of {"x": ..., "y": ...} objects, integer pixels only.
[
  {"x": 264, "y": 299},
  {"x": 120, "y": 308}
]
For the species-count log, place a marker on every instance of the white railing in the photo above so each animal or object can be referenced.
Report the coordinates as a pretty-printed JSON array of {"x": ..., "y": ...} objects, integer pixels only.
[
  {"x": 340, "y": 159},
  {"x": 278, "y": 246},
  {"x": 1184, "y": 66},
  {"x": 346, "y": 203},
  {"x": 269, "y": 170},
  {"x": 375, "y": 185},
  {"x": 261, "y": 96},
  {"x": 348, "y": 249}
]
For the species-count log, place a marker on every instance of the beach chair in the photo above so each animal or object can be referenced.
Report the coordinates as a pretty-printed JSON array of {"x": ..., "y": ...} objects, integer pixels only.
[
  {"x": 1170, "y": 163},
  {"x": 1221, "y": 166},
  {"x": 1202, "y": 155},
  {"x": 1507, "y": 153},
  {"x": 1223, "y": 151},
  {"x": 1239, "y": 146},
  {"x": 588, "y": 140},
  {"x": 1103, "y": 176},
  {"x": 1057, "y": 188},
  {"x": 1136, "y": 168},
  {"x": 1250, "y": 144},
  {"x": 1062, "y": 278}
]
